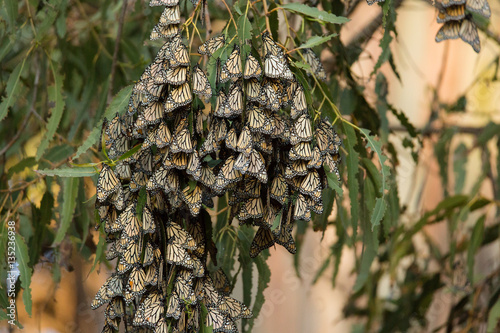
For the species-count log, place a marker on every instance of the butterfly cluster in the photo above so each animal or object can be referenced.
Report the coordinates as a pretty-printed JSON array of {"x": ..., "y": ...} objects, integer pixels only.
[
  {"x": 456, "y": 16},
  {"x": 257, "y": 146}
]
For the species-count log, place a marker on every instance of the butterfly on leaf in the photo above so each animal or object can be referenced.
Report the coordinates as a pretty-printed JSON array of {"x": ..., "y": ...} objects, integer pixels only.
[
  {"x": 232, "y": 68},
  {"x": 212, "y": 45}
]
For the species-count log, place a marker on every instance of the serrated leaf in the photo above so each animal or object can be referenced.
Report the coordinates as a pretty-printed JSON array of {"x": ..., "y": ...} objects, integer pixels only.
[
  {"x": 316, "y": 40},
  {"x": 25, "y": 272},
  {"x": 57, "y": 102},
  {"x": 119, "y": 102},
  {"x": 315, "y": 13},
  {"x": 388, "y": 18},
  {"x": 381, "y": 205},
  {"x": 70, "y": 172},
  {"x": 70, "y": 192},
  {"x": 263, "y": 281},
  {"x": 12, "y": 89},
  {"x": 244, "y": 29}
]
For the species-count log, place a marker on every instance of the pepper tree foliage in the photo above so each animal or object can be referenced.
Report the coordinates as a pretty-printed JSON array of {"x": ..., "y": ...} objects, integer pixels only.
[{"x": 61, "y": 63}]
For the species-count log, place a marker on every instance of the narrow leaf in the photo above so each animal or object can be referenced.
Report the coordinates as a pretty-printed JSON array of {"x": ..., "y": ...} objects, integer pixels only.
[
  {"x": 474, "y": 244},
  {"x": 13, "y": 87},
  {"x": 57, "y": 106},
  {"x": 244, "y": 29},
  {"x": 315, "y": 13},
  {"x": 316, "y": 40},
  {"x": 352, "y": 161},
  {"x": 25, "y": 272},
  {"x": 70, "y": 192},
  {"x": 70, "y": 172}
]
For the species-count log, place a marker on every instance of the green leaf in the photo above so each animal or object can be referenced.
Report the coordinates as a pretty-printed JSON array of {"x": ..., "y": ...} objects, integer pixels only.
[
  {"x": 203, "y": 327},
  {"x": 101, "y": 247},
  {"x": 244, "y": 29},
  {"x": 22, "y": 259},
  {"x": 301, "y": 65},
  {"x": 316, "y": 40},
  {"x": 459, "y": 164},
  {"x": 57, "y": 104},
  {"x": 263, "y": 281},
  {"x": 352, "y": 162},
  {"x": 70, "y": 172},
  {"x": 131, "y": 152},
  {"x": 70, "y": 192},
  {"x": 314, "y": 13},
  {"x": 388, "y": 19},
  {"x": 493, "y": 317},
  {"x": 380, "y": 205},
  {"x": 13, "y": 86},
  {"x": 487, "y": 133},
  {"x": 475, "y": 242},
  {"x": 12, "y": 12},
  {"x": 23, "y": 164},
  {"x": 117, "y": 105}
]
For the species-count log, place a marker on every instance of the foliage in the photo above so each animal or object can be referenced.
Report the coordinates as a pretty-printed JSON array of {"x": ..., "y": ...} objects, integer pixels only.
[{"x": 62, "y": 63}]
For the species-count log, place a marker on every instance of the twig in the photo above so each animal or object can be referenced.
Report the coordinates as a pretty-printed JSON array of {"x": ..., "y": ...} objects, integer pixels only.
[
  {"x": 117, "y": 47},
  {"x": 230, "y": 14},
  {"x": 208, "y": 23},
  {"x": 268, "y": 26}
]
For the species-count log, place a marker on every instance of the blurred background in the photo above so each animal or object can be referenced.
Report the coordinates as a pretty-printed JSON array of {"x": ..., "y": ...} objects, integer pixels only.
[{"x": 429, "y": 72}]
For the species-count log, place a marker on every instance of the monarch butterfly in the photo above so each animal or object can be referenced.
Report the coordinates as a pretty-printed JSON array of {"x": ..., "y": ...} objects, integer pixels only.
[
  {"x": 235, "y": 309},
  {"x": 182, "y": 142},
  {"x": 468, "y": 33},
  {"x": 144, "y": 161},
  {"x": 195, "y": 229},
  {"x": 263, "y": 143},
  {"x": 279, "y": 189},
  {"x": 176, "y": 254},
  {"x": 331, "y": 163},
  {"x": 280, "y": 126},
  {"x": 447, "y": 3},
  {"x": 285, "y": 239},
  {"x": 170, "y": 15},
  {"x": 100, "y": 298},
  {"x": 325, "y": 139},
  {"x": 170, "y": 45},
  {"x": 234, "y": 101},
  {"x": 255, "y": 166},
  {"x": 317, "y": 159},
  {"x": 168, "y": 3},
  {"x": 315, "y": 63},
  {"x": 107, "y": 183},
  {"x": 192, "y": 198},
  {"x": 220, "y": 322},
  {"x": 114, "y": 128},
  {"x": 263, "y": 239},
  {"x": 221, "y": 282},
  {"x": 231, "y": 139},
  {"x": 454, "y": 13},
  {"x": 479, "y": 6},
  {"x": 179, "y": 57},
  {"x": 252, "y": 187},
  {"x": 252, "y": 68},
  {"x": 315, "y": 205},
  {"x": 164, "y": 31},
  {"x": 148, "y": 255},
  {"x": 207, "y": 176},
  {"x": 176, "y": 234},
  {"x": 212, "y": 45},
  {"x": 132, "y": 253},
  {"x": 271, "y": 213},
  {"x": 174, "y": 76},
  {"x": 227, "y": 174},
  {"x": 232, "y": 68},
  {"x": 299, "y": 105},
  {"x": 183, "y": 288},
  {"x": 162, "y": 326},
  {"x": 269, "y": 46},
  {"x": 449, "y": 30},
  {"x": 198, "y": 270},
  {"x": 251, "y": 209},
  {"x": 148, "y": 223},
  {"x": 301, "y": 211},
  {"x": 311, "y": 185},
  {"x": 274, "y": 66},
  {"x": 270, "y": 95},
  {"x": 151, "y": 275},
  {"x": 301, "y": 130},
  {"x": 257, "y": 120},
  {"x": 162, "y": 135},
  {"x": 136, "y": 281},
  {"x": 301, "y": 151},
  {"x": 179, "y": 160},
  {"x": 194, "y": 166},
  {"x": 123, "y": 171},
  {"x": 253, "y": 89},
  {"x": 220, "y": 103},
  {"x": 245, "y": 141},
  {"x": 296, "y": 168},
  {"x": 210, "y": 145},
  {"x": 179, "y": 96},
  {"x": 152, "y": 310},
  {"x": 132, "y": 227},
  {"x": 201, "y": 86},
  {"x": 173, "y": 306}
]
